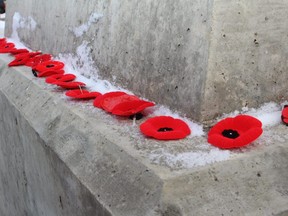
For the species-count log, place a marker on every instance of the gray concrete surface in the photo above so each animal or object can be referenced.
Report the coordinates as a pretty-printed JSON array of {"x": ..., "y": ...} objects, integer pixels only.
[
  {"x": 62, "y": 157},
  {"x": 201, "y": 57}
]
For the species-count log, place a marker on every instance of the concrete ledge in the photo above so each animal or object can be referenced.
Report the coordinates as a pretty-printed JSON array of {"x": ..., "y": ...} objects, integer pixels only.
[{"x": 61, "y": 157}]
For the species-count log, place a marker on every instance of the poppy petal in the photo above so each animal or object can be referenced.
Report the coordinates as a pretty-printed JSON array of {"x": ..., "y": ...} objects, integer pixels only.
[
  {"x": 226, "y": 123},
  {"x": 98, "y": 100},
  {"x": 50, "y": 73},
  {"x": 109, "y": 103},
  {"x": 6, "y": 48},
  {"x": 60, "y": 77},
  {"x": 18, "y": 61},
  {"x": 18, "y": 51},
  {"x": 220, "y": 141},
  {"x": 129, "y": 108},
  {"x": 82, "y": 94},
  {"x": 244, "y": 122},
  {"x": 284, "y": 115},
  {"x": 70, "y": 85}
]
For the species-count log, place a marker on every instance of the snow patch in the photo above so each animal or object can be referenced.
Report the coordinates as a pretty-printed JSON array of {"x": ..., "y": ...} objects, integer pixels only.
[
  {"x": 80, "y": 30},
  {"x": 269, "y": 113},
  {"x": 189, "y": 159},
  {"x": 82, "y": 65}
]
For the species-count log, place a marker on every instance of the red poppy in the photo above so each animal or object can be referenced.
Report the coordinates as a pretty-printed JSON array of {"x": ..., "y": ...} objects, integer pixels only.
[
  {"x": 284, "y": 115},
  {"x": 7, "y": 47},
  {"x": 70, "y": 85},
  {"x": 50, "y": 73},
  {"x": 49, "y": 65},
  {"x": 2, "y": 41},
  {"x": 97, "y": 102},
  {"x": 235, "y": 132},
  {"x": 18, "y": 51},
  {"x": 129, "y": 108},
  {"x": 165, "y": 128},
  {"x": 22, "y": 58},
  {"x": 108, "y": 103},
  {"x": 38, "y": 59},
  {"x": 82, "y": 94},
  {"x": 60, "y": 77}
]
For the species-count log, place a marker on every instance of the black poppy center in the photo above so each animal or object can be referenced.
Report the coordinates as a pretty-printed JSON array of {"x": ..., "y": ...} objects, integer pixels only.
[
  {"x": 164, "y": 129},
  {"x": 137, "y": 116},
  {"x": 231, "y": 134},
  {"x": 50, "y": 65},
  {"x": 34, "y": 73}
]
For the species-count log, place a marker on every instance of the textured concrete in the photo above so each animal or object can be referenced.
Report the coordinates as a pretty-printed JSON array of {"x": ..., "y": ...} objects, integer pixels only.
[
  {"x": 248, "y": 55},
  {"x": 202, "y": 57},
  {"x": 61, "y": 157}
]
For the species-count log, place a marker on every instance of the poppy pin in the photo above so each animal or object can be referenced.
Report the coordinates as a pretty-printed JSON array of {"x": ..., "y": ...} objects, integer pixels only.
[
  {"x": 165, "y": 128},
  {"x": 97, "y": 102},
  {"x": 108, "y": 103},
  {"x": 18, "y": 51},
  {"x": 2, "y": 41},
  {"x": 60, "y": 77},
  {"x": 235, "y": 132},
  {"x": 70, "y": 85},
  {"x": 284, "y": 115},
  {"x": 7, "y": 47},
  {"x": 38, "y": 59},
  {"x": 82, "y": 94},
  {"x": 49, "y": 73},
  {"x": 20, "y": 60},
  {"x": 129, "y": 108},
  {"x": 49, "y": 65}
]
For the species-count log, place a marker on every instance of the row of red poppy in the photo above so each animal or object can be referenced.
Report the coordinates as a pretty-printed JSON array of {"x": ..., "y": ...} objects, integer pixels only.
[{"x": 228, "y": 133}]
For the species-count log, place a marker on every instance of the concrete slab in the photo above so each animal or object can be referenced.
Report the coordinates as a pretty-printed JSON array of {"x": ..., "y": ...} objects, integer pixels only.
[{"x": 68, "y": 158}]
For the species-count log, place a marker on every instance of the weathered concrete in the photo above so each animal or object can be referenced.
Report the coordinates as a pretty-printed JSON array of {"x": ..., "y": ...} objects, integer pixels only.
[
  {"x": 59, "y": 157},
  {"x": 202, "y": 57},
  {"x": 248, "y": 55}
]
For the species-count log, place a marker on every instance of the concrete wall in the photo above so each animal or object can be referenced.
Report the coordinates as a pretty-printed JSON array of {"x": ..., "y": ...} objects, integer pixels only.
[
  {"x": 248, "y": 55},
  {"x": 157, "y": 49},
  {"x": 202, "y": 57}
]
